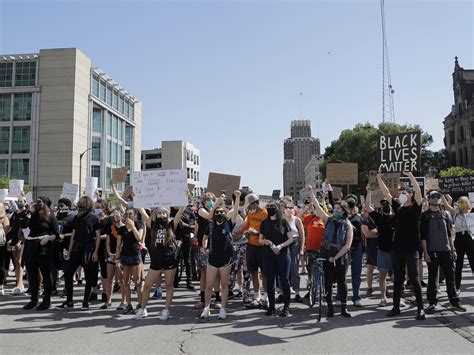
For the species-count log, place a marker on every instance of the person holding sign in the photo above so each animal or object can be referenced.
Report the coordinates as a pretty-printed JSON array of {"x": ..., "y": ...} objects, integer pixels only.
[
  {"x": 38, "y": 252},
  {"x": 217, "y": 242},
  {"x": 464, "y": 240},
  {"x": 163, "y": 255},
  {"x": 406, "y": 241}
]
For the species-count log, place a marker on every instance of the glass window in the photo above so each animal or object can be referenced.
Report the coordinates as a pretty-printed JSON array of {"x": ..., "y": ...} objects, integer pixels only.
[
  {"x": 95, "y": 86},
  {"x": 6, "y": 74},
  {"x": 120, "y": 155},
  {"x": 109, "y": 151},
  {"x": 3, "y": 167},
  {"x": 5, "y": 106},
  {"x": 102, "y": 91},
  {"x": 116, "y": 126},
  {"x": 20, "y": 169},
  {"x": 108, "y": 176},
  {"x": 125, "y": 109},
  {"x": 109, "y": 125},
  {"x": 120, "y": 130},
  {"x": 130, "y": 111},
  {"x": 115, "y": 100},
  {"x": 114, "y": 153},
  {"x": 97, "y": 121},
  {"x": 96, "y": 149},
  {"x": 127, "y": 158},
  {"x": 21, "y": 140},
  {"x": 95, "y": 172},
  {"x": 121, "y": 105},
  {"x": 128, "y": 136},
  {"x": 109, "y": 96},
  {"x": 4, "y": 140},
  {"x": 22, "y": 107},
  {"x": 25, "y": 74}
]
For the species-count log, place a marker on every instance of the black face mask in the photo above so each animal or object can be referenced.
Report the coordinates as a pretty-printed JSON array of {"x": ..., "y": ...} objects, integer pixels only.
[
  {"x": 271, "y": 211},
  {"x": 220, "y": 218},
  {"x": 351, "y": 204},
  {"x": 162, "y": 222},
  {"x": 386, "y": 209}
]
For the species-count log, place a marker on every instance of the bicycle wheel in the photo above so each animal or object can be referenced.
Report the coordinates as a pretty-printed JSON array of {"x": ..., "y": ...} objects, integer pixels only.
[
  {"x": 320, "y": 295},
  {"x": 312, "y": 294}
]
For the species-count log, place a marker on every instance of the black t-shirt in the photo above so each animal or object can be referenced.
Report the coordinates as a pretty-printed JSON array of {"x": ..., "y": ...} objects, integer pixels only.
[
  {"x": 356, "y": 221},
  {"x": 130, "y": 246},
  {"x": 113, "y": 235},
  {"x": 161, "y": 251},
  {"x": 220, "y": 241},
  {"x": 39, "y": 226},
  {"x": 202, "y": 225},
  {"x": 182, "y": 231},
  {"x": 18, "y": 220},
  {"x": 386, "y": 227},
  {"x": 407, "y": 227},
  {"x": 85, "y": 229},
  {"x": 271, "y": 231}
]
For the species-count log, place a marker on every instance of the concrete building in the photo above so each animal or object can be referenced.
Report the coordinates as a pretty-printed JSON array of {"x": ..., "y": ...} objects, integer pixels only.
[
  {"x": 54, "y": 105},
  {"x": 298, "y": 150},
  {"x": 312, "y": 175},
  {"x": 459, "y": 123},
  {"x": 175, "y": 155}
]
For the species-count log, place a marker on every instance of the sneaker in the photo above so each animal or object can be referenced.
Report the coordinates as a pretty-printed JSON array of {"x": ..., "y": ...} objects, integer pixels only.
[
  {"x": 432, "y": 308},
  {"x": 383, "y": 303},
  {"x": 369, "y": 292},
  {"x": 298, "y": 299},
  {"x": 270, "y": 312},
  {"x": 106, "y": 305},
  {"x": 285, "y": 312},
  {"x": 205, "y": 313},
  {"x": 457, "y": 307},
  {"x": 165, "y": 314},
  {"x": 292, "y": 291},
  {"x": 85, "y": 307},
  {"x": 66, "y": 305},
  {"x": 402, "y": 303},
  {"x": 199, "y": 305},
  {"x": 30, "y": 305},
  {"x": 140, "y": 314},
  {"x": 394, "y": 312},
  {"x": 420, "y": 314},
  {"x": 253, "y": 304},
  {"x": 2, "y": 291},
  {"x": 357, "y": 303},
  {"x": 120, "y": 306},
  {"x": 222, "y": 314},
  {"x": 43, "y": 306},
  {"x": 128, "y": 309}
]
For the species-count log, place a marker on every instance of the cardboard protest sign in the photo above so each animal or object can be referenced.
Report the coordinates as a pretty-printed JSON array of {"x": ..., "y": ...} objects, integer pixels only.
[
  {"x": 264, "y": 199},
  {"x": 276, "y": 194},
  {"x": 15, "y": 188},
  {"x": 160, "y": 188},
  {"x": 405, "y": 181},
  {"x": 91, "y": 187},
  {"x": 457, "y": 184},
  {"x": 376, "y": 197},
  {"x": 400, "y": 152},
  {"x": 69, "y": 191},
  {"x": 222, "y": 183},
  {"x": 342, "y": 173},
  {"x": 391, "y": 180},
  {"x": 119, "y": 175},
  {"x": 432, "y": 184},
  {"x": 127, "y": 193},
  {"x": 3, "y": 194},
  {"x": 337, "y": 193}
]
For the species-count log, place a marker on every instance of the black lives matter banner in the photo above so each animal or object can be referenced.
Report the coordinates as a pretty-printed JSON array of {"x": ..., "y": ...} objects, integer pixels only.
[
  {"x": 457, "y": 184},
  {"x": 400, "y": 152}
]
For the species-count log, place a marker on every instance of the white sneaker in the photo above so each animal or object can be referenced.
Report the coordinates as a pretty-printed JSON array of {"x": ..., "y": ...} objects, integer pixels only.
[
  {"x": 17, "y": 291},
  {"x": 2, "y": 292},
  {"x": 206, "y": 313},
  {"x": 141, "y": 313},
  {"x": 358, "y": 303},
  {"x": 165, "y": 314},
  {"x": 402, "y": 302},
  {"x": 222, "y": 314},
  {"x": 292, "y": 291}
]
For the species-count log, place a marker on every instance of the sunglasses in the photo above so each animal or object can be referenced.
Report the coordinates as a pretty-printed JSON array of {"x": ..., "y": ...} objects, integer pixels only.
[{"x": 219, "y": 212}]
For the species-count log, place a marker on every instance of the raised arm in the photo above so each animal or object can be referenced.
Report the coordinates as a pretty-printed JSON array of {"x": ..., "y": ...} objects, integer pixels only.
[
  {"x": 145, "y": 217},
  {"x": 416, "y": 187},
  {"x": 117, "y": 195},
  {"x": 178, "y": 216},
  {"x": 235, "y": 208},
  {"x": 368, "y": 199},
  {"x": 317, "y": 208},
  {"x": 384, "y": 188},
  {"x": 447, "y": 205}
]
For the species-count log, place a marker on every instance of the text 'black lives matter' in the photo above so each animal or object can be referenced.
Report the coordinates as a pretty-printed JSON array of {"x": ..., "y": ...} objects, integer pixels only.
[{"x": 400, "y": 152}]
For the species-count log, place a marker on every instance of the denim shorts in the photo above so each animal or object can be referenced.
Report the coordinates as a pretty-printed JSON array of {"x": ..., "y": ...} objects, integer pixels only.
[{"x": 384, "y": 261}]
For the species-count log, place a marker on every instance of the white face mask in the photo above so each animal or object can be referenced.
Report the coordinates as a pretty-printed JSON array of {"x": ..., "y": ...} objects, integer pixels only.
[{"x": 402, "y": 199}]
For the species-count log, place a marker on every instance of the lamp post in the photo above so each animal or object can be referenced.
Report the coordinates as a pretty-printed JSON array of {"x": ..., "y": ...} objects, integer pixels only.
[{"x": 80, "y": 169}]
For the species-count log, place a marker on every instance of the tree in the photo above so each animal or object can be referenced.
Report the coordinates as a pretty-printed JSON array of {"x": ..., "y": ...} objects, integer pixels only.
[
  {"x": 360, "y": 145},
  {"x": 456, "y": 171},
  {"x": 5, "y": 184}
]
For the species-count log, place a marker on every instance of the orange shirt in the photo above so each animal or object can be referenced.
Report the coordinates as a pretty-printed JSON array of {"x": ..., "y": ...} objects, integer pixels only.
[
  {"x": 314, "y": 231},
  {"x": 253, "y": 220}
]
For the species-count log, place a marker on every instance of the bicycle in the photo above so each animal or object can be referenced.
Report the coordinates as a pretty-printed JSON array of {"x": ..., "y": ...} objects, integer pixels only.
[{"x": 316, "y": 284}]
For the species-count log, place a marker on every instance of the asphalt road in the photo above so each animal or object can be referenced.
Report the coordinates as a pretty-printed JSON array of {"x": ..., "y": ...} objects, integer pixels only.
[{"x": 244, "y": 331}]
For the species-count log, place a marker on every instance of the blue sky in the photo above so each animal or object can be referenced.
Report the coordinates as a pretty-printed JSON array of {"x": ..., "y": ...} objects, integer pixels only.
[{"x": 226, "y": 75}]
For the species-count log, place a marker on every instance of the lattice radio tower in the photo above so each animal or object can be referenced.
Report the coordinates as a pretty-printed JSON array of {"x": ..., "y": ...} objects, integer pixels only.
[{"x": 388, "y": 110}]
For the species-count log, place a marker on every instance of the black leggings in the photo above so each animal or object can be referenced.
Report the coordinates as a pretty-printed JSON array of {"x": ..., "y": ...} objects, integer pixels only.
[
  {"x": 184, "y": 254},
  {"x": 337, "y": 274},
  {"x": 83, "y": 258},
  {"x": 464, "y": 246},
  {"x": 3, "y": 258},
  {"x": 39, "y": 258}
]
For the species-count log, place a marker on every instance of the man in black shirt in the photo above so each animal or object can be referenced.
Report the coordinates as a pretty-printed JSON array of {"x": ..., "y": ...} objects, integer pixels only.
[
  {"x": 183, "y": 232},
  {"x": 406, "y": 241}
]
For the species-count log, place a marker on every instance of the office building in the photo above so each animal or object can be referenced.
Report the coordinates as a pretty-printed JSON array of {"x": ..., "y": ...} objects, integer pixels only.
[{"x": 313, "y": 175}]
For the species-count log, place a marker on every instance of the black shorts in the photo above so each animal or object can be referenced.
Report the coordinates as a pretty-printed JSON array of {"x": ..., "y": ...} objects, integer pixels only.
[
  {"x": 254, "y": 258},
  {"x": 162, "y": 262},
  {"x": 220, "y": 263},
  {"x": 130, "y": 260}
]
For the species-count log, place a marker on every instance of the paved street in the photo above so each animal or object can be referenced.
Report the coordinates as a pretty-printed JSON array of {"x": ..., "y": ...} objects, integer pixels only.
[{"x": 244, "y": 331}]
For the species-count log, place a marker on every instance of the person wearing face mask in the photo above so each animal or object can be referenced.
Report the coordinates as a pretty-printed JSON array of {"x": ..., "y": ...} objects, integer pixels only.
[
  {"x": 464, "y": 240},
  {"x": 218, "y": 243},
  {"x": 163, "y": 256},
  {"x": 18, "y": 220},
  {"x": 38, "y": 251},
  {"x": 83, "y": 251},
  {"x": 183, "y": 233},
  {"x": 4, "y": 228},
  {"x": 439, "y": 251},
  {"x": 276, "y": 237},
  {"x": 385, "y": 221},
  {"x": 406, "y": 241},
  {"x": 338, "y": 234}
]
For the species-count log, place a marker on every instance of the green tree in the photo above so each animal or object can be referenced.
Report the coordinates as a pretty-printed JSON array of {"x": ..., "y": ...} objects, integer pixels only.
[
  {"x": 360, "y": 145},
  {"x": 456, "y": 171}
]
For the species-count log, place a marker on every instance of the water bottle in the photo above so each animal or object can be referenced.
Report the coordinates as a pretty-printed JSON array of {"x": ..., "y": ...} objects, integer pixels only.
[{"x": 158, "y": 293}]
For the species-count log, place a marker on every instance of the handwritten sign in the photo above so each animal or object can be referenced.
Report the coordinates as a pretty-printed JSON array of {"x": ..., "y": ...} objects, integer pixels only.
[
  {"x": 69, "y": 191},
  {"x": 91, "y": 187},
  {"x": 128, "y": 193},
  {"x": 29, "y": 198},
  {"x": 470, "y": 222},
  {"x": 391, "y": 180},
  {"x": 160, "y": 188},
  {"x": 457, "y": 184},
  {"x": 219, "y": 183},
  {"x": 400, "y": 152},
  {"x": 342, "y": 173},
  {"x": 337, "y": 193},
  {"x": 405, "y": 181},
  {"x": 119, "y": 175},
  {"x": 3, "y": 194},
  {"x": 376, "y": 197},
  {"x": 15, "y": 188},
  {"x": 432, "y": 184},
  {"x": 276, "y": 194}
]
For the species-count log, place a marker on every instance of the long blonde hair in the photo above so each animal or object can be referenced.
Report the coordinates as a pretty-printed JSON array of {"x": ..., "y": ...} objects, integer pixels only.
[{"x": 464, "y": 201}]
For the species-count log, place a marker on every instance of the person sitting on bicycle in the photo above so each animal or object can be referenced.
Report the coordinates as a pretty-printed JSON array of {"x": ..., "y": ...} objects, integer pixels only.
[{"x": 336, "y": 244}]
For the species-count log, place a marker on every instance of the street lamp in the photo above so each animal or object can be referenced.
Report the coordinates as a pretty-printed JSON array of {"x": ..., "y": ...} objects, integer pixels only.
[{"x": 80, "y": 169}]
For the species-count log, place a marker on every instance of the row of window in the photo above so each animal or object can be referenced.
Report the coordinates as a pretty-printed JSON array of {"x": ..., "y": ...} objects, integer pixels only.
[
  {"x": 20, "y": 142},
  {"x": 190, "y": 156},
  {"x": 151, "y": 156},
  {"x": 96, "y": 172},
  {"x": 111, "y": 97},
  {"x": 21, "y": 104},
  {"x": 20, "y": 168},
  {"x": 461, "y": 135},
  {"x": 25, "y": 74},
  {"x": 114, "y": 126},
  {"x": 194, "y": 175}
]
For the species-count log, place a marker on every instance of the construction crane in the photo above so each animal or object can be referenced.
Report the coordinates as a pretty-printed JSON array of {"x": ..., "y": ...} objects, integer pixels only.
[{"x": 388, "y": 110}]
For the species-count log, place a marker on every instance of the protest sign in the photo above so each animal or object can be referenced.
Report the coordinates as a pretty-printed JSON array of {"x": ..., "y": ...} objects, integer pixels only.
[
  {"x": 29, "y": 198},
  {"x": 470, "y": 222},
  {"x": 276, "y": 194},
  {"x": 264, "y": 199},
  {"x": 405, "y": 181},
  {"x": 471, "y": 198},
  {"x": 376, "y": 197},
  {"x": 69, "y": 191},
  {"x": 3, "y": 194},
  {"x": 457, "y": 184},
  {"x": 127, "y": 193},
  {"x": 160, "y": 188},
  {"x": 391, "y": 180},
  {"x": 222, "y": 183},
  {"x": 342, "y": 173},
  {"x": 15, "y": 188},
  {"x": 337, "y": 193},
  {"x": 119, "y": 175},
  {"x": 432, "y": 184},
  {"x": 400, "y": 152},
  {"x": 91, "y": 187}
]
